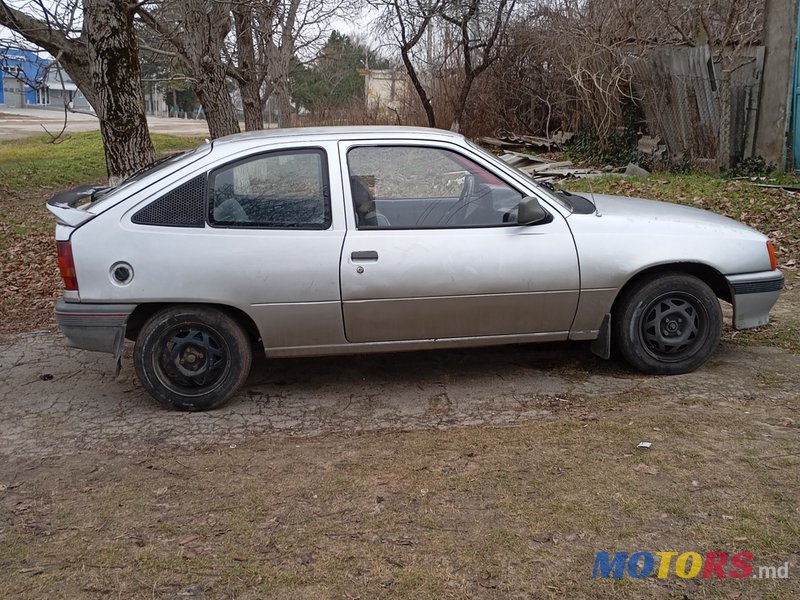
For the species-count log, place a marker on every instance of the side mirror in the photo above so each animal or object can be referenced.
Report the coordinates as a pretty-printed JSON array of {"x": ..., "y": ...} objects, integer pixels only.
[{"x": 530, "y": 212}]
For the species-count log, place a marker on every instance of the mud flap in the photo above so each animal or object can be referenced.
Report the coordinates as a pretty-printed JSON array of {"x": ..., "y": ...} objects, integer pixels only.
[
  {"x": 602, "y": 345},
  {"x": 119, "y": 344}
]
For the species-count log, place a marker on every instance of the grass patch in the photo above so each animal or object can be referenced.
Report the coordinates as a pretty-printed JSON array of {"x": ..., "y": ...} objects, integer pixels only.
[
  {"x": 78, "y": 158},
  {"x": 779, "y": 333}
]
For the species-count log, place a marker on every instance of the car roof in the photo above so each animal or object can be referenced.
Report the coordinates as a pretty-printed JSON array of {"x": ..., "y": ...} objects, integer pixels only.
[{"x": 340, "y": 132}]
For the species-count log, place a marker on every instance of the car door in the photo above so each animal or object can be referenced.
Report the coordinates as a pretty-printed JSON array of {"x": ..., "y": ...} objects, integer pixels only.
[
  {"x": 275, "y": 208},
  {"x": 433, "y": 250},
  {"x": 261, "y": 232}
]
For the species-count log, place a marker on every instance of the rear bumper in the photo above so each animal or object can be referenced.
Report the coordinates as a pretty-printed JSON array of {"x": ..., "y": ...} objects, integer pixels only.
[
  {"x": 754, "y": 295},
  {"x": 95, "y": 327}
]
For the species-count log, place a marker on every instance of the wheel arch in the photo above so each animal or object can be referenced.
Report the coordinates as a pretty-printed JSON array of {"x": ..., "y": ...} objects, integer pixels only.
[
  {"x": 705, "y": 273},
  {"x": 143, "y": 312}
]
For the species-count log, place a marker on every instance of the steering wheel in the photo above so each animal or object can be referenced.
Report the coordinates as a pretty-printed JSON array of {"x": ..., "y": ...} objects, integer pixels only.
[
  {"x": 463, "y": 201},
  {"x": 467, "y": 190}
]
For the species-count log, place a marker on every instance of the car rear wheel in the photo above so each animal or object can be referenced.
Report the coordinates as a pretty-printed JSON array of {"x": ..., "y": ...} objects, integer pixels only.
[
  {"x": 668, "y": 324},
  {"x": 192, "y": 357}
]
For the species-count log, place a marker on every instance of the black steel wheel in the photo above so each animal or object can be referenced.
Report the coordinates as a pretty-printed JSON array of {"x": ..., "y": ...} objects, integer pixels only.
[
  {"x": 192, "y": 357},
  {"x": 667, "y": 324}
]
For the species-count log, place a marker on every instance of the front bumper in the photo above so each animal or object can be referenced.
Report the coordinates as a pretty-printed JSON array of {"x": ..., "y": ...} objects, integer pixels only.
[
  {"x": 754, "y": 295},
  {"x": 95, "y": 327}
]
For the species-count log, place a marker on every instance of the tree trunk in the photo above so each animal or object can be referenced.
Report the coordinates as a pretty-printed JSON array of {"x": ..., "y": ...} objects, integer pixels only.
[
  {"x": 461, "y": 103},
  {"x": 279, "y": 53},
  {"x": 419, "y": 88},
  {"x": 212, "y": 91},
  {"x": 207, "y": 24},
  {"x": 116, "y": 79},
  {"x": 199, "y": 44},
  {"x": 250, "y": 84},
  {"x": 251, "y": 105},
  {"x": 281, "y": 91}
]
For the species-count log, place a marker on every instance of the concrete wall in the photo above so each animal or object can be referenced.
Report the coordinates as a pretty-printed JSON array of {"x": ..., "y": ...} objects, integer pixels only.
[
  {"x": 780, "y": 27},
  {"x": 385, "y": 90}
]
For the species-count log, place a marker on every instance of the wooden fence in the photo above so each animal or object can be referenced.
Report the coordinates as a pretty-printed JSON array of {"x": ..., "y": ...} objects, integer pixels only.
[{"x": 702, "y": 111}]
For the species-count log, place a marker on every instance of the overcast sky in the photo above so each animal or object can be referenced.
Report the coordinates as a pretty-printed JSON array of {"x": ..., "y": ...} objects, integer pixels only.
[{"x": 357, "y": 27}]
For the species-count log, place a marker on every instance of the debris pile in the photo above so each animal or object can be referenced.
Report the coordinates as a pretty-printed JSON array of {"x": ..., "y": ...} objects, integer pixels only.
[
  {"x": 510, "y": 141},
  {"x": 544, "y": 169},
  {"x": 517, "y": 152}
]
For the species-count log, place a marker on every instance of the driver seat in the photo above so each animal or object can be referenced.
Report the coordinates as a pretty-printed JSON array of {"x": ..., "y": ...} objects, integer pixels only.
[{"x": 366, "y": 213}]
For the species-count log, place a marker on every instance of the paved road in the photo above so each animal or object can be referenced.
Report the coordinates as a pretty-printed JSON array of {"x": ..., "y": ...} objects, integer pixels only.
[
  {"x": 19, "y": 123},
  {"x": 55, "y": 401}
]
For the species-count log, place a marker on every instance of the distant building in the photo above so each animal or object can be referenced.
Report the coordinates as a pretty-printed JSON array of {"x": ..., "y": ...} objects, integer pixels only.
[
  {"x": 28, "y": 80},
  {"x": 385, "y": 91},
  {"x": 19, "y": 68},
  {"x": 155, "y": 102}
]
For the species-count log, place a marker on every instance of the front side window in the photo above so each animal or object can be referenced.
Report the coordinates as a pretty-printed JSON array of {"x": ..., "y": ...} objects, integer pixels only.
[
  {"x": 278, "y": 190},
  {"x": 414, "y": 187}
]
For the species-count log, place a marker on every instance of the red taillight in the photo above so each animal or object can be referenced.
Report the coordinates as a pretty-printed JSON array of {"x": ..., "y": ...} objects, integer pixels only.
[
  {"x": 773, "y": 262},
  {"x": 66, "y": 265}
]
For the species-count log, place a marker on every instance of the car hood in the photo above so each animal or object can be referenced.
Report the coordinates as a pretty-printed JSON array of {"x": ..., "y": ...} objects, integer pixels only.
[
  {"x": 652, "y": 213},
  {"x": 628, "y": 235}
]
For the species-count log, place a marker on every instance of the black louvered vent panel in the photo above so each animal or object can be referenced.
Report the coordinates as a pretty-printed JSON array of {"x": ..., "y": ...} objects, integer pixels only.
[{"x": 182, "y": 207}]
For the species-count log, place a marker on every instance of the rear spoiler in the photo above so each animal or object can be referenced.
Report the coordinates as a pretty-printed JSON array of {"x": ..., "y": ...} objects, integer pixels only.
[{"x": 69, "y": 207}]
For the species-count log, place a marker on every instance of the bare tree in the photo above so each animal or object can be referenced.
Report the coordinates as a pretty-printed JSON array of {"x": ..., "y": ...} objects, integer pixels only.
[
  {"x": 270, "y": 37},
  {"x": 406, "y": 22},
  {"x": 446, "y": 45},
  {"x": 194, "y": 33},
  {"x": 252, "y": 43},
  {"x": 566, "y": 64},
  {"x": 249, "y": 72},
  {"x": 267, "y": 35},
  {"x": 98, "y": 48},
  {"x": 479, "y": 25}
]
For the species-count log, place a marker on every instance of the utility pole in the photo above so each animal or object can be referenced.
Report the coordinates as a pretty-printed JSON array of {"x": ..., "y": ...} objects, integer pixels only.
[{"x": 780, "y": 30}]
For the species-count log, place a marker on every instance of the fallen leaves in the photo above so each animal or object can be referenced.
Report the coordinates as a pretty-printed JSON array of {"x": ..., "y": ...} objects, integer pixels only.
[
  {"x": 28, "y": 271},
  {"x": 188, "y": 548},
  {"x": 645, "y": 469},
  {"x": 187, "y": 539},
  {"x": 22, "y": 507}
]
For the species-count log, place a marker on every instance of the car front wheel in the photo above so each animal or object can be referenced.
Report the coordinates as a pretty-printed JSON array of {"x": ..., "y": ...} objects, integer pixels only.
[
  {"x": 667, "y": 324},
  {"x": 192, "y": 357}
]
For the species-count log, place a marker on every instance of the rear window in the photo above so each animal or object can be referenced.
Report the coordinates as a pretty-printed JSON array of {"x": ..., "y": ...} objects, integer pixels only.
[{"x": 163, "y": 166}]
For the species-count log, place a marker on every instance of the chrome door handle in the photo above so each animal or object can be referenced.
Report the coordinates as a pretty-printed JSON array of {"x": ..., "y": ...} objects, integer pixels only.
[{"x": 364, "y": 255}]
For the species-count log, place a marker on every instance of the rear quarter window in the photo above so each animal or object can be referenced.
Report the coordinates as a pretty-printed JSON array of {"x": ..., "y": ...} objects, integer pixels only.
[{"x": 287, "y": 189}]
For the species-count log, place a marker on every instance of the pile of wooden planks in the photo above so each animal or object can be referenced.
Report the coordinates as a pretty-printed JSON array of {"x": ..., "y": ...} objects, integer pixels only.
[
  {"x": 510, "y": 141},
  {"x": 543, "y": 169}
]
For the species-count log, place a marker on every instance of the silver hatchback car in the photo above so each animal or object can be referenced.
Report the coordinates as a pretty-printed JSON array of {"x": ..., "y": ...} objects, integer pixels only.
[{"x": 374, "y": 239}]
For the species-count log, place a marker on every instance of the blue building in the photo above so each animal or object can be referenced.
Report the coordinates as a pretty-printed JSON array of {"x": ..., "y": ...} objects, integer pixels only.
[{"x": 28, "y": 80}]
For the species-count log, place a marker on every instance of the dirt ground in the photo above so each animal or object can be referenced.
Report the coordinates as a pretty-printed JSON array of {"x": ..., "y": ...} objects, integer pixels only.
[
  {"x": 487, "y": 473},
  {"x": 59, "y": 401},
  {"x": 490, "y": 473}
]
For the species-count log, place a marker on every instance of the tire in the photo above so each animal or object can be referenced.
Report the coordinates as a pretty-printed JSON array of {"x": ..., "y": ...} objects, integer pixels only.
[
  {"x": 667, "y": 324},
  {"x": 192, "y": 357}
]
